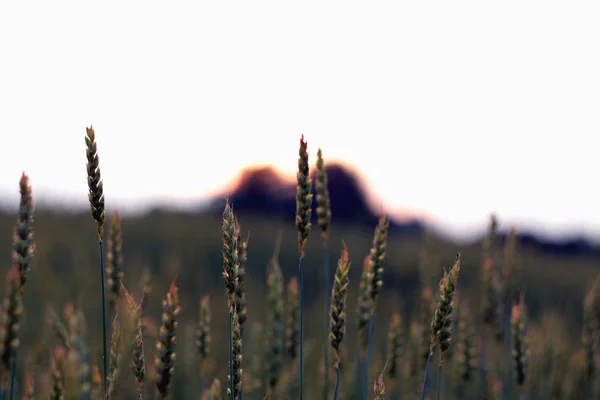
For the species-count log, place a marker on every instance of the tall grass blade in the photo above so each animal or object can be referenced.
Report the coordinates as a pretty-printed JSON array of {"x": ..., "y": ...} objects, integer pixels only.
[
  {"x": 301, "y": 279},
  {"x": 368, "y": 357},
  {"x": 424, "y": 390},
  {"x": 104, "y": 350},
  {"x": 326, "y": 324}
]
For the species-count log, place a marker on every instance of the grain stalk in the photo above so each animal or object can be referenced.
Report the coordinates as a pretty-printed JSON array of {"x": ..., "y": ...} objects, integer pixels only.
[
  {"x": 203, "y": 338},
  {"x": 241, "y": 306},
  {"x": 376, "y": 258},
  {"x": 363, "y": 309},
  {"x": 324, "y": 220},
  {"x": 292, "y": 330},
  {"x": 275, "y": 324},
  {"x": 22, "y": 252},
  {"x": 519, "y": 328},
  {"x": 12, "y": 311},
  {"x": 394, "y": 349},
  {"x": 442, "y": 322},
  {"x": 138, "y": 362},
  {"x": 164, "y": 359},
  {"x": 337, "y": 314},
  {"x": 114, "y": 263},
  {"x": 230, "y": 276},
  {"x": 115, "y": 356},
  {"x": 303, "y": 214},
  {"x": 96, "y": 199}
]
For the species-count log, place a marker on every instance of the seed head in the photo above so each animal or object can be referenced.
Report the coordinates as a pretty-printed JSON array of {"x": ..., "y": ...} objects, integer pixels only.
[
  {"x": 377, "y": 256},
  {"x": 167, "y": 339},
  {"x": 303, "y": 197},
  {"x": 323, "y": 203},
  {"x": 231, "y": 262},
  {"x": 337, "y": 313},
  {"x": 442, "y": 320},
  {"x": 114, "y": 265},
  {"x": 518, "y": 321},
  {"x": 203, "y": 331},
  {"x": 276, "y": 326},
  {"x": 292, "y": 331},
  {"x": 395, "y": 344},
  {"x": 23, "y": 245},
  {"x": 96, "y": 190}
]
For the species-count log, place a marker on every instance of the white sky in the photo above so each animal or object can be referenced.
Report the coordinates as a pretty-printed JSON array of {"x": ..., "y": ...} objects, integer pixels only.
[{"x": 450, "y": 110}]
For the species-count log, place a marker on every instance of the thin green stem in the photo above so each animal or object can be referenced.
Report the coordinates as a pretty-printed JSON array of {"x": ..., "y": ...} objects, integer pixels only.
[
  {"x": 327, "y": 305},
  {"x": 439, "y": 381},
  {"x": 232, "y": 397},
  {"x": 357, "y": 360},
  {"x": 368, "y": 357},
  {"x": 201, "y": 391},
  {"x": 483, "y": 366},
  {"x": 337, "y": 384},
  {"x": 104, "y": 351},
  {"x": 13, "y": 375},
  {"x": 301, "y": 279},
  {"x": 424, "y": 390},
  {"x": 325, "y": 325}
]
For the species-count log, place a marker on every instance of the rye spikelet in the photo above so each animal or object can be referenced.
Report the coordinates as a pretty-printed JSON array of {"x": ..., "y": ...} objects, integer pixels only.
[
  {"x": 241, "y": 306},
  {"x": 237, "y": 358},
  {"x": 364, "y": 305},
  {"x": 323, "y": 203},
  {"x": 394, "y": 347},
  {"x": 138, "y": 363},
  {"x": 377, "y": 256},
  {"x": 115, "y": 356},
  {"x": 96, "y": 190},
  {"x": 337, "y": 315},
  {"x": 23, "y": 245},
  {"x": 11, "y": 322},
  {"x": 230, "y": 253},
  {"x": 303, "y": 197},
  {"x": 442, "y": 320},
  {"x": 509, "y": 271},
  {"x": 292, "y": 331},
  {"x": 78, "y": 352},
  {"x": 518, "y": 323},
  {"x": 57, "y": 367},
  {"x": 276, "y": 326},
  {"x": 465, "y": 351},
  {"x": 203, "y": 331},
  {"x": 167, "y": 339},
  {"x": 491, "y": 303},
  {"x": 114, "y": 266}
]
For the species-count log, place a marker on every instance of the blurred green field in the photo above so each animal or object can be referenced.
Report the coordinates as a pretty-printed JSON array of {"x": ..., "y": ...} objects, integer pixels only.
[{"x": 187, "y": 248}]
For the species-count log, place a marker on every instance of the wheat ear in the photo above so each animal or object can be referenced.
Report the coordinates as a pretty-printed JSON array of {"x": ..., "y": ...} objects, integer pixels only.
[
  {"x": 442, "y": 321},
  {"x": 23, "y": 250},
  {"x": 303, "y": 214},
  {"x": 324, "y": 220},
  {"x": 203, "y": 337},
  {"x": 96, "y": 199},
  {"x": 230, "y": 276},
  {"x": 164, "y": 361},
  {"x": 337, "y": 314},
  {"x": 376, "y": 258}
]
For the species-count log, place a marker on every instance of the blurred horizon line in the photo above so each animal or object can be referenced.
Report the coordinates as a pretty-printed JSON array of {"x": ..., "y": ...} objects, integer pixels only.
[{"x": 462, "y": 232}]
